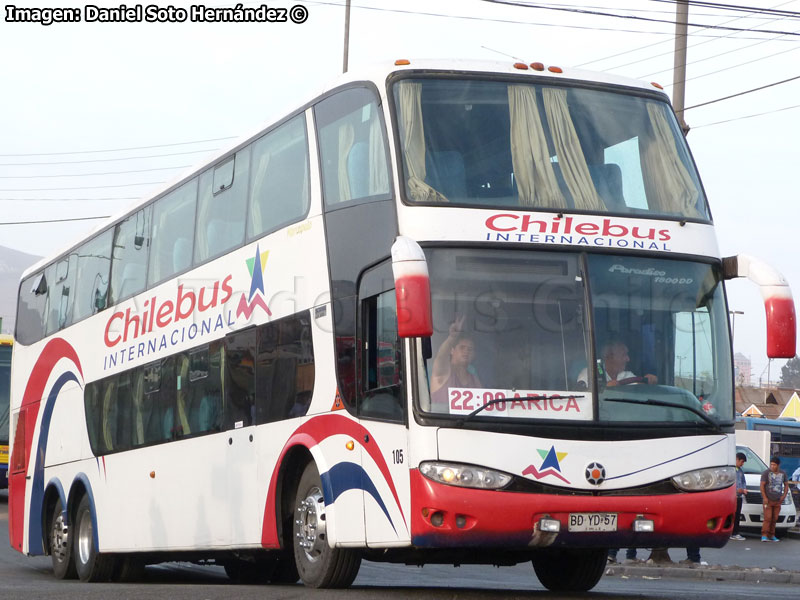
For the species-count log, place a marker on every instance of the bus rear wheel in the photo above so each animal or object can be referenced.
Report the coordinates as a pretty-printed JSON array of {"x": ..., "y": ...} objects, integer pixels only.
[
  {"x": 89, "y": 563},
  {"x": 60, "y": 540},
  {"x": 570, "y": 570},
  {"x": 318, "y": 565}
]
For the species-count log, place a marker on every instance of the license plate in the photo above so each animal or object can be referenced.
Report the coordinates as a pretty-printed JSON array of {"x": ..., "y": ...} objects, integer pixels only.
[{"x": 592, "y": 522}]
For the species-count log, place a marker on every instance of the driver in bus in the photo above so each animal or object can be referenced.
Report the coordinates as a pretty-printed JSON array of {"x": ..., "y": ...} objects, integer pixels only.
[
  {"x": 615, "y": 363},
  {"x": 452, "y": 367}
]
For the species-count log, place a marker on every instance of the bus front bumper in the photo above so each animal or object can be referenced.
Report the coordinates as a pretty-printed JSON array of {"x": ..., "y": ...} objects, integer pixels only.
[{"x": 444, "y": 516}]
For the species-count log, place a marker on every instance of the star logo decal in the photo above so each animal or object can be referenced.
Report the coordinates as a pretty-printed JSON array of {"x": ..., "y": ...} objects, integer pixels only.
[{"x": 550, "y": 465}]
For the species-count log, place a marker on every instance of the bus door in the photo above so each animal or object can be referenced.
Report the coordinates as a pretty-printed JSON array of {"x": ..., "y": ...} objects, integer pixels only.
[
  {"x": 239, "y": 374},
  {"x": 382, "y": 411}
]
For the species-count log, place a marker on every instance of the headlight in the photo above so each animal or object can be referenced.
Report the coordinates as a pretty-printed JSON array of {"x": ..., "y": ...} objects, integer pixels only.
[
  {"x": 788, "y": 499},
  {"x": 702, "y": 480},
  {"x": 464, "y": 475}
]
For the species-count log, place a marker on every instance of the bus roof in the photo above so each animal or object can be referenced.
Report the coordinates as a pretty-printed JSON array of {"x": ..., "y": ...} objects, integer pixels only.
[{"x": 377, "y": 73}]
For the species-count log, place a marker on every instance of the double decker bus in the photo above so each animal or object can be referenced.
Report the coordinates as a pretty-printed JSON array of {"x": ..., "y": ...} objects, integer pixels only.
[
  {"x": 6, "y": 341},
  {"x": 445, "y": 312}
]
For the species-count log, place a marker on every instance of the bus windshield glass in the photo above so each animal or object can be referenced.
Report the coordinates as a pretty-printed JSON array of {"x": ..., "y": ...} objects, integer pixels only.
[
  {"x": 511, "y": 331},
  {"x": 499, "y": 144}
]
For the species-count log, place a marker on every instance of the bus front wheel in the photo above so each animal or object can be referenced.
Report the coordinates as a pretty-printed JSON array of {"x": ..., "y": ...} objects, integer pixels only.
[
  {"x": 570, "y": 570},
  {"x": 318, "y": 565},
  {"x": 90, "y": 564},
  {"x": 61, "y": 544}
]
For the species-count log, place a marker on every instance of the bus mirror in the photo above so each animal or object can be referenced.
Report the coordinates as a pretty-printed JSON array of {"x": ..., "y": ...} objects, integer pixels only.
[
  {"x": 412, "y": 289},
  {"x": 778, "y": 302}
]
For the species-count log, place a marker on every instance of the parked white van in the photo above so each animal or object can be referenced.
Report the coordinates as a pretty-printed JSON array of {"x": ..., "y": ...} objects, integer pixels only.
[{"x": 752, "y": 508}]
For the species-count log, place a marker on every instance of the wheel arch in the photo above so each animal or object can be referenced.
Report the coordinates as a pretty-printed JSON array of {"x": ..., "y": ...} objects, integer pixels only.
[
  {"x": 292, "y": 466},
  {"x": 52, "y": 493},
  {"x": 80, "y": 487}
]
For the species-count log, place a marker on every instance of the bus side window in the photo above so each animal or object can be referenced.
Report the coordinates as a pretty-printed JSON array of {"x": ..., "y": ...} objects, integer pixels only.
[
  {"x": 91, "y": 286},
  {"x": 382, "y": 396},
  {"x": 31, "y": 308},
  {"x": 173, "y": 233},
  {"x": 352, "y": 147},
  {"x": 205, "y": 389},
  {"x": 158, "y": 413},
  {"x": 221, "y": 206},
  {"x": 284, "y": 369},
  {"x": 61, "y": 293},
  {"x": 239, "y": 379},
  {"x": 279, "y": 181},
  {"x": 129, "y": 255},
  {"x": 92, "y": 403}
]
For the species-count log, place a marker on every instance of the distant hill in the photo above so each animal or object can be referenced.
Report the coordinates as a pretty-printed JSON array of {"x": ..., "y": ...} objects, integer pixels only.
[{"x": 12, "y": 264}]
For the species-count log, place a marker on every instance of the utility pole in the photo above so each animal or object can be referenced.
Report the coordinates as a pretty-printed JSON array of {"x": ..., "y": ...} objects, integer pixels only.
[
  {"x": 346, "y": 35},
  {"x": 679, "y": 69}
]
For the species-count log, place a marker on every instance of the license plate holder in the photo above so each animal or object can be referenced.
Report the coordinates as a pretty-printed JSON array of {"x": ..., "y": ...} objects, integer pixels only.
[{"x": 592, "y": 522}]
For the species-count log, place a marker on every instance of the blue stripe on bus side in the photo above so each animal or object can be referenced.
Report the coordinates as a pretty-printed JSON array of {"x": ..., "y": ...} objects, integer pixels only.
[{"x": 350, "y": 476}]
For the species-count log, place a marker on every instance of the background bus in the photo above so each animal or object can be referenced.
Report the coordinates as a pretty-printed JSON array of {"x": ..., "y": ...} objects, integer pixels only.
[
  {"x": 6, "y": 342},
  {"x": 247, "y": 367},
  {"x": 784, "y": 439}
]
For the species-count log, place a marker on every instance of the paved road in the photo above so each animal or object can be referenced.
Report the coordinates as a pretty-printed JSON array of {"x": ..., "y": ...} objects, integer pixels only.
[{"x": 24, "y": 578}]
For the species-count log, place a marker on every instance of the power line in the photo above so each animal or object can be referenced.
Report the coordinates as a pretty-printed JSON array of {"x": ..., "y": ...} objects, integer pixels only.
[
  {"x": 633, "y": 17},
  {"x": 97, "y": 160},
  {"x": 67, "y": 199},
  {"x": 56, "y": 220},
  {"x": 510, "y": 21},
  {"x": 93, "y": 174},
  {"x": 713, "y": 39},
  {"x": 727, "y": 35},
  {"x": 737, "y": 8},
  {"x": 699, "y": 60},
  {"x": 736, "y": 65},
  {"x": 120, "y": 149},
  {"x": 761, "y": 114},
  {"x": 763, "y": 87},
  {"x": 88, "y": 187}
]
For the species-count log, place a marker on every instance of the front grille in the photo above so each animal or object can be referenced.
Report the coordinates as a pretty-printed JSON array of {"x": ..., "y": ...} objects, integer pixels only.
[
  {"x": 527, "y": 486},
  {"x": 753, "y": 497}
]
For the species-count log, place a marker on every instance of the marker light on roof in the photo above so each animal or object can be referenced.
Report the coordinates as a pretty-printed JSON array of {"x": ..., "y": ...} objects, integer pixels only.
[
  {"x": 400, "y": 62},
  {"x": 537, "y": 66},
  {"x": 555, "y": 69},
  {"x": 658, "y": 85},
  {"x": 521, "y": 66}
]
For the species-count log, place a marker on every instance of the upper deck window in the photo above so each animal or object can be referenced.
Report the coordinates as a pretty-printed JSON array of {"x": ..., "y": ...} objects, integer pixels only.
[
  {"x": 525, "y": 146},
  {"x": 352, "y": 147}
]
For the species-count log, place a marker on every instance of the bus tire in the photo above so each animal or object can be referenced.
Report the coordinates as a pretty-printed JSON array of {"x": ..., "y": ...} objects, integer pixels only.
[
  {"x": 570, "y": 570},
  {"x": 89, "y": 563},
  {"x": 318, "y": 565},
  {"x": 60, "y": 544}
]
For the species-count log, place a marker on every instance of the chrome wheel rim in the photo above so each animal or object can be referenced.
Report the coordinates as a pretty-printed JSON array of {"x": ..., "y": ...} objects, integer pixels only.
[
  {"x": 85, "y": 538},
  {"x": 59, "y": 538},
  {"x": 310, "y": 525}
]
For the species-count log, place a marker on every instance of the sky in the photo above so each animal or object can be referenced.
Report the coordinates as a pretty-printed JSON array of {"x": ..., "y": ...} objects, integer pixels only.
[{"x": 96, "y": 115}]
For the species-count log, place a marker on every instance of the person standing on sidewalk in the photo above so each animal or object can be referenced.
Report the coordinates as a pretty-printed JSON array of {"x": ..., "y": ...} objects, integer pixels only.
[
  {"x": 741, "y": 490},
  {"x": 774, "y": 487}
]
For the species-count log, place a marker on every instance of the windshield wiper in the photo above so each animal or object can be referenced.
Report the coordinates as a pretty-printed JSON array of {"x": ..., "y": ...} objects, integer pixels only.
[
  {"x": 652, "y": 402},
  {"x": 466, "y": 418}
]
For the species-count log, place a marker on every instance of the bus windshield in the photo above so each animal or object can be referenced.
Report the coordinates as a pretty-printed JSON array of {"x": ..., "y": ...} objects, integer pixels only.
[
  {"x": 513, "y": 327},
  {"x": 523, "y": 145}
]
